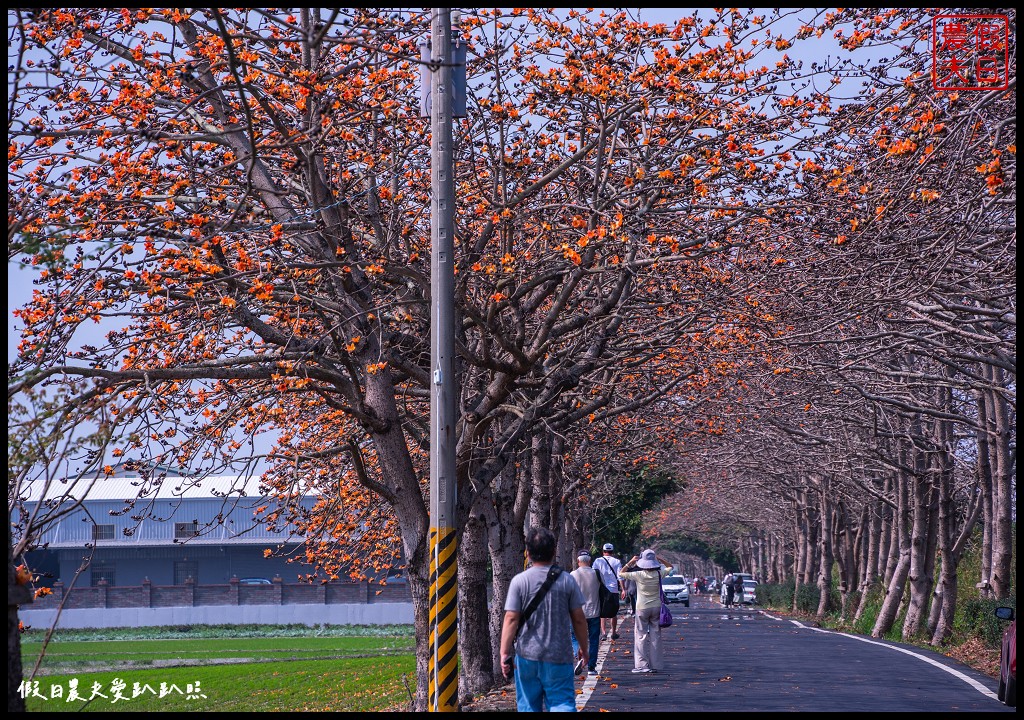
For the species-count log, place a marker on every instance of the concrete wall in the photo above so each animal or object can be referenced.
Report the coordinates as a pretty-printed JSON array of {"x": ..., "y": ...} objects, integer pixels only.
[
  {"x": 233, "y": 593},
  {"x": 349, "y": 614},
  {"x": 134, "y": 564}
]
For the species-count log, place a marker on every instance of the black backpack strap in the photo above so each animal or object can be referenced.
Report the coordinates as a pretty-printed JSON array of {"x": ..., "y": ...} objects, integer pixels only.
[{"x": 553, "y": 574}]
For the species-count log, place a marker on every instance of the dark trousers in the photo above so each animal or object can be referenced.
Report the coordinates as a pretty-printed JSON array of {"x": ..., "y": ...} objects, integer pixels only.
[{"x": 594, "y": 640}]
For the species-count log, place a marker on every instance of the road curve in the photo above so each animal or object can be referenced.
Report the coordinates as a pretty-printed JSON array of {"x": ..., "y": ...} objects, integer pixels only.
[{"x": 745, "y": 658}]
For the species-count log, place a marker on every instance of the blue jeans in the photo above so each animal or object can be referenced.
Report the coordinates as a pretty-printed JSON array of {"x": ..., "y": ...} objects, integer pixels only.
[
  {"x": 593, "y": 640},
  {"x": 544, "y": 686}
]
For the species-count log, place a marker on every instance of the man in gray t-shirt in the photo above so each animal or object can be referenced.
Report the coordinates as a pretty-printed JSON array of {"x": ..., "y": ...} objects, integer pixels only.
[{"x": 542, "y": 648}]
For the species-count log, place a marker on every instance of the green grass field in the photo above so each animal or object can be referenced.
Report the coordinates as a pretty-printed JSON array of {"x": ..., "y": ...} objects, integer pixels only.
[{"x": 273, "y": 670}]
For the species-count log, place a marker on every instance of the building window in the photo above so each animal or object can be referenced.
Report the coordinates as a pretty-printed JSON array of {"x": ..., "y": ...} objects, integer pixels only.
[
  {"x": 183, "y": 531},
  {"x": 102, "y": 532},
  {"x": 185, "y": 569},
  {"x": 102, "y": 571}
]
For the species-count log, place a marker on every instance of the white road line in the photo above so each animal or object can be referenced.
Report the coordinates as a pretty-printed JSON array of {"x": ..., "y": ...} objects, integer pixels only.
[
  {"x": 590, "y": 682},
  {"x": 931, "y": 661}
]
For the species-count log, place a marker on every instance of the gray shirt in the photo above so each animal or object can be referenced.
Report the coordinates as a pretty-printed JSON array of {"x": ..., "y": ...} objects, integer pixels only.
[
  {"x": 589, "y": 583},
  {"x": 547, "y": 635}
]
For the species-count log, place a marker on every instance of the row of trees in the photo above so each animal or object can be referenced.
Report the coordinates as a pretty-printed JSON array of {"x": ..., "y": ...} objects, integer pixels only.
[
  {"x": 670, "y": 262},
  {"x": 890, "y": 435}
]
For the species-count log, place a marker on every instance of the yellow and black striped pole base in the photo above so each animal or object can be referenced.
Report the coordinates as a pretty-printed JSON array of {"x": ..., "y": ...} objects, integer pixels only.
[{"x": 443, "y": 666}]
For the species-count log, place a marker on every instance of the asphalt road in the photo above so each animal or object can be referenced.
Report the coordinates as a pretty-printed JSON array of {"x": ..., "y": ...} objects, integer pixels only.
[{"x": 747, "y": 659}]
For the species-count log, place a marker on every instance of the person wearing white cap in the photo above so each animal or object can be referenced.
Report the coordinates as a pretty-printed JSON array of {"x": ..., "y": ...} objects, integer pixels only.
[
  {"x": 608, "y": 567},
  {"x": 646, "y": 570},
  {"x": 589, "y": 583}
]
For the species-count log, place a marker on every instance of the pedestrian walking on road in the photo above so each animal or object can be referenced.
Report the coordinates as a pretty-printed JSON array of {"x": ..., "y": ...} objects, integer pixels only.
[
  {"x": 646, "y": 570},
  {"x": 737, "y": 588},
  {"x": 543, "y": 606},
  {"x": 608, "y": 566},
  {"x": 729, "y": 590},
  {"x": 589, "y": 582}
]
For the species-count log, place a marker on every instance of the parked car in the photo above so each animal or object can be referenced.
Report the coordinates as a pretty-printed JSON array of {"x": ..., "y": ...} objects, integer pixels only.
[
  {"x": 254, "y": 581},
  {"x": 676, "y": 589},
  {"x": 749, "y": 593},
  {"x": 1008, "y": 658}
]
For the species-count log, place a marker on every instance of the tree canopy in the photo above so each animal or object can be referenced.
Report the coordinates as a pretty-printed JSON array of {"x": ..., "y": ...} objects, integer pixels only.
[{"x": 682, "y": 255}]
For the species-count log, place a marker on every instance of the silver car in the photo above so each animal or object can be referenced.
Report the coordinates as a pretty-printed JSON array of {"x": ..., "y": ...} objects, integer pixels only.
[{"x": 676, "y": 589}]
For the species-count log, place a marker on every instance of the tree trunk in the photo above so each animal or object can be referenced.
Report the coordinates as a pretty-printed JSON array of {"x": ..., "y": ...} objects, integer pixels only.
[
  {"x": 800, "y": 551},
  {"x": 825, "y": 552},
  {"x": 952, "y": 541},
  {"x": 999, "y": 431},
  {"x": 888, "y": 549},
  {"x": 984, "y": 473},
  {"x": 897, "y": 524},
  {"x": 507, "y": 545},
  {"x": 940, "y": 620},
  {"x": 901, "y": 568},
  {"x": 785, "y": 560},
  {"x": 763, "y": 566},
  {"x": 565, "y": 547},
  {"x": 540, "y": 477},
  {"x": 776, "y": 559},
  {"x": 845, "y": 544},
  {"x": 401, "y": 488},
  {"x": 863, "y": 549},
  {"x": 476, "y": 648},
  {"x": 869, "y": 573},
  {"x": 950, "y": 568},
  {"x": 814, "y": 522},
  {"x": 920, "y": 578}
]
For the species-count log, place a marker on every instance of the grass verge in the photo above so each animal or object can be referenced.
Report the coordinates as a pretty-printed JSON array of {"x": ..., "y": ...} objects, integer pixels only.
[{"x": 265, "y": 669}]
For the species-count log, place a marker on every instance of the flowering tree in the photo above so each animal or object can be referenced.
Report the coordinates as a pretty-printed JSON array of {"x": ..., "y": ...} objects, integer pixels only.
[
  {"x": 239, "y": 199},
  {"x": 885, "y": 308}
]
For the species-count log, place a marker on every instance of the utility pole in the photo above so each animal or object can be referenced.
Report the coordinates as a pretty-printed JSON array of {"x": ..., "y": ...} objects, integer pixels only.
[{"x": 442, "y": 671}]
